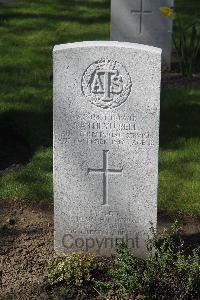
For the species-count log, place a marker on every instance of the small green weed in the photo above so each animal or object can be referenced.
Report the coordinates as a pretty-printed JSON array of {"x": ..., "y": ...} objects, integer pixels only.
[
  {"x": 76, "y": 269},
  {"x": 76, "y": 275},
  {"x": 166, "y": 273},
  {"x": 166, "y": 264},
  {"x": 125, "y": 273}
]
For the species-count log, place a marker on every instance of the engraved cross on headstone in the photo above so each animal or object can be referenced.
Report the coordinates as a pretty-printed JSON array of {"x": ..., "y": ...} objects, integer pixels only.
[
  {"x": 141, "y": 12},
  {"x": 105, "y": 171}
]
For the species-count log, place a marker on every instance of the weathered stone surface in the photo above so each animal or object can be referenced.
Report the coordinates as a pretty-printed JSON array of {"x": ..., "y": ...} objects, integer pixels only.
[
  {"x": 140, "y": 21},
  {"x": 106, "y": 131}
]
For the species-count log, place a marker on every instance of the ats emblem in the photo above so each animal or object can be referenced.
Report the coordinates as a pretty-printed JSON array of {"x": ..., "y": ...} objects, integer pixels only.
[{"x": 106, "y": 83}]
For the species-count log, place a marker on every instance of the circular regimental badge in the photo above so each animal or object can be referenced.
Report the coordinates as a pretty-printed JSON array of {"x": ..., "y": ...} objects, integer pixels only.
[{"x": 106, "y": 83}]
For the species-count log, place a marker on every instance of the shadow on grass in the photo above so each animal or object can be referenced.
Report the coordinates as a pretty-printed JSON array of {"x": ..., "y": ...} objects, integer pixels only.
[
  {"x": 33, "y": 182},
  {"x": 29, "y": 29},
  {"x": 14, "y": 148},
  {"x": 34, "y": 127},
  {"x": 180, "y": 111},
  {"x": 79, "y": 19},
  {"x": 83, "y": 12}
]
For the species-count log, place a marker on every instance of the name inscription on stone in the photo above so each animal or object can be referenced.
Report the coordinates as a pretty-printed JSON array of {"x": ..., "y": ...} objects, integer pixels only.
[{"x": 105, "y": 130}]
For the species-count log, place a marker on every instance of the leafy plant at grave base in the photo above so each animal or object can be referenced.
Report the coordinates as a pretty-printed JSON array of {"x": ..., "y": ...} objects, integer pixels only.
[
  {"x": 125, "y": 272},
  {"x": 74, "y": 268},
  {"x": 166, "y": 273},
  {"x": 74, "y": 276},
  {"x": 186, "y": 43},
  {"x": 123, "y": 277},
  {"x": 165, "y": 264},
  {"x": 158, "y": 276}
]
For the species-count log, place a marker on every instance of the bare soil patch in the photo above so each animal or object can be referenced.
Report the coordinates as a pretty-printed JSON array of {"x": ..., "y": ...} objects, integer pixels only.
[
  {"x": 26, "y": 245},
  {"x": 176, "y": 80}
]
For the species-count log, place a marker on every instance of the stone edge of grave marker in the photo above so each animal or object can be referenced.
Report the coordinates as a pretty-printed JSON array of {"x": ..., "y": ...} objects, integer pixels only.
[{"x": 107, "y": 44}]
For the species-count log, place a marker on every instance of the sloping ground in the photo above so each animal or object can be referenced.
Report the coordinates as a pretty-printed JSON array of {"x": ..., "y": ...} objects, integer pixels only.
[{"x": 26, "y": 245}]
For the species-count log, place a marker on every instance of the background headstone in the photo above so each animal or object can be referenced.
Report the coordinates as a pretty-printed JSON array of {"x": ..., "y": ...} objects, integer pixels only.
[
  {"x": 140, "y": 21},
  {"x": 106, "y": 131}
]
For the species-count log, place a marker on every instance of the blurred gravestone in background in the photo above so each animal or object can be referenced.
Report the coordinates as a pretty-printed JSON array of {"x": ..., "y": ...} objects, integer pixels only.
[{"x": 140, "y": 21}]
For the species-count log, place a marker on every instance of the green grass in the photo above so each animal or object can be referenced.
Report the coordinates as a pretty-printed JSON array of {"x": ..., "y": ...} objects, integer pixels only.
[
  {"x": 189, "y": 10},
  {"x": 28, "y": 32},
  {"x": 179, "y": 167},
  {"x": 33, "y": 182}
]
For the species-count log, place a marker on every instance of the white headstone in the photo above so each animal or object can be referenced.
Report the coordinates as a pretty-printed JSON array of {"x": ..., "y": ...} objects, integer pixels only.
[
  {"x": 106, "y": 131},
  {"x": 140, "y": 21}
]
